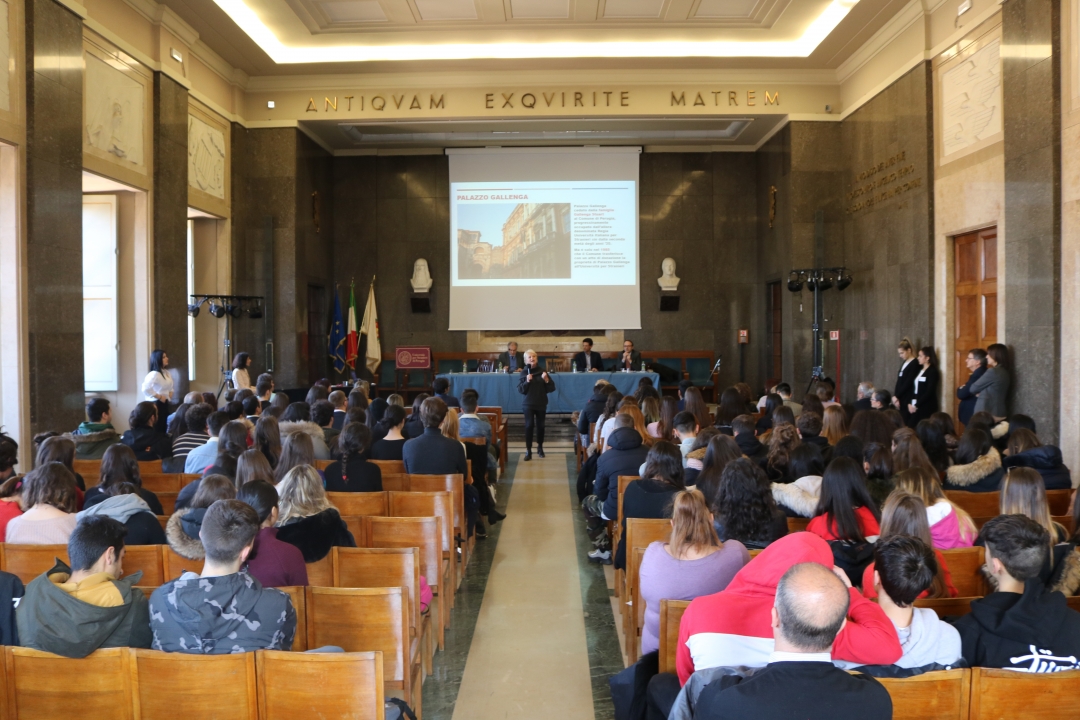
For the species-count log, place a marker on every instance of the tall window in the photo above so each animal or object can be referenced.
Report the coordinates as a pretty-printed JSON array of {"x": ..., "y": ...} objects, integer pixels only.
[
  {"x": 191, "y": 291},
  {"x": 100, "y": 323}
]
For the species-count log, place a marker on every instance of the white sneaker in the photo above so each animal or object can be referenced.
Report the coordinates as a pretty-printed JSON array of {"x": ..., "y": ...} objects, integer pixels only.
[{"x": 601, "y": 556}]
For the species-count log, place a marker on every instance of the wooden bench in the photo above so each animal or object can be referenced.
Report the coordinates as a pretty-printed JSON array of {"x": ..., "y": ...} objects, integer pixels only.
[
  {"x": 965, "y": 566},
  {"x": 358, "y": 503},
  {"x": 640, "y": 533},
  {"x": 797, "y": 524},
  {"x": 430, "y": 504},
  {"x": 455, "y": 484},
  {"x": 1007, "y": 694},
  {"x": 93, "y": 467},
  {"x": 216, "y": 687},
  {"x": 671, "y": 612},
  {"x": 988, "y": 504},
  {"x": 320, "y": 685},
  {"x": 943, "y": 695},
  {"x": 616, "y": 533},
  {"x": 947, "y": 607}
]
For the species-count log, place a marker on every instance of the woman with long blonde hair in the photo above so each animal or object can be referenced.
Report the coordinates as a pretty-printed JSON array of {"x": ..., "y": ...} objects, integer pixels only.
[
  {"x": 950, "y": 526},
  {"x": 1024, "y": 493},
  {"x": 306, "y": 518},
  {"x": 639, "y": 424},
  {"x": 834, "y": 424},
  {"x": 908, "y": 452},
  {"x": 693, "y": 563},
  {"x": 905, "y": 514}
]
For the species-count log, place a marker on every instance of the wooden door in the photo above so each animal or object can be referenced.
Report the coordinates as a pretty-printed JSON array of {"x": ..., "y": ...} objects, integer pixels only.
[
  {"x": 775, "y": 320},
  {"x": 976, "y": 298}
]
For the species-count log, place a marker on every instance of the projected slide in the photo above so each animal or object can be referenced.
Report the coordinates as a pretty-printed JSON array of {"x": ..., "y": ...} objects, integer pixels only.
[{"x": 544, "y": 233}]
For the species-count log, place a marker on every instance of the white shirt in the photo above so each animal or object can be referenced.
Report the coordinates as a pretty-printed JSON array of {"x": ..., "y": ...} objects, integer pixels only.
[
  {"x": 779, "y": 656},
  {"x": 241, "y": 379},
  {"x": 904, "y": 366},
  {"x": 918, "y": 379},
  {"x": 156, "y": 384}
]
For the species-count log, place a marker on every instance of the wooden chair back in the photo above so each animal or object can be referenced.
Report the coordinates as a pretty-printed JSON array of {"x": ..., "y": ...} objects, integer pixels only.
[
  {"x": 174, "y": 565},
  {"x": 46, "y": 686},
  {"x": 475, "y": 440},
  {"x": 381, "y": 567},
  {"x": 394, "y": 467},
  {"x": 149, "y": 467},
  {"x": 358, "y": 504},
  {"x": 797, "y": 524},
  {"x": 168, "y": 482},
  {"x": 426, "y": 504},
  {"x": 943, "y": 695},
  {"x": 395, "y": 481},
  {"x": 28, "y": 561},
  {"x": 362, "y": 620},
  {"x": 299, "y": 602},
  {"x": 1033, "y": 696},
  {"x": 163, "y": 520},
  {"x": 321, "y": 572},
  {"x": 358, "y": 528},
  {"x": 210, "y": 687},
  {"x": 754, "y": 553},
  {"x": 976, "y": 504},
  {"x": 947, "y": 607},
  {"x": 322, "y": 464},
  {"x": 965, "y": 566},
  {"x": 671, "y": 612},
  {"x": 424, "y": 533},
  {"x": 454, "y": 484},
  {"x": 86, "y": 467},
  {"x": 168, "y": 502},
  {"x": 1059, "y": 501},
  {"x": 1065, "y": 521},
  {"x": 148, "y": 559},
  {"x": 319, "y": 685},
  {"x": 1073, "y": 602}
]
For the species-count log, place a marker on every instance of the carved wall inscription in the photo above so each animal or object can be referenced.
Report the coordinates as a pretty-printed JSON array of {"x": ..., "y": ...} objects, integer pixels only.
[{"x": 206, "y": 157}]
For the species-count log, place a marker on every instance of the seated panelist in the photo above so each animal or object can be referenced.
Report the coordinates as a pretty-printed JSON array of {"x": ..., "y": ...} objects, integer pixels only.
[{"x": 587, "y": 360}]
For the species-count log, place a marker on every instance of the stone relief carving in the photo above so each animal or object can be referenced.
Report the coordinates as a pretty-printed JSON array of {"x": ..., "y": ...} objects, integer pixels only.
[
  {"x": 971, "y": 100},
  {"x": 206, "y": 157},
  {"x": 5, "y": 58},
  {"x": 115, "y": 111}
]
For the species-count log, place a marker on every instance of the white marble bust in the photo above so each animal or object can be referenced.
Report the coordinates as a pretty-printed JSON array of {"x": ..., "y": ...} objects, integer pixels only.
[
  {"x": 421, "y": 277},
  {"x": 668, "y": 281}
]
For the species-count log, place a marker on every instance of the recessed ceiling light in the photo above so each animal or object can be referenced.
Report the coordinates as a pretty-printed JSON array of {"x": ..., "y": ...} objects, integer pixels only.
[{"x": 270, "y": 104}]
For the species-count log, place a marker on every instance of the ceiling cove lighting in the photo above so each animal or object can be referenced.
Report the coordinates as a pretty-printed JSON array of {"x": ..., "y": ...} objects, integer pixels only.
[{"x": 249, "y": 21}]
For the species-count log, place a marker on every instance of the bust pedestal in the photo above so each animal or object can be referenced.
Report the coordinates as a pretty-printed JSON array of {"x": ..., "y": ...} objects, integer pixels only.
[
  {"x": 420, "y": 302},
  {"x": 669, "y": 301}
]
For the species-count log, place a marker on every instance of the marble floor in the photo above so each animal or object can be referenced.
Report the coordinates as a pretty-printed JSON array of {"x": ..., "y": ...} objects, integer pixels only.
[{"x": 532, "y": 633}]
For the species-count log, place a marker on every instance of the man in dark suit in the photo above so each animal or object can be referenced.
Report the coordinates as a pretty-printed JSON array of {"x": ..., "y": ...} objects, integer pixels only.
[
  {"x": 511, "y": 360},
  {"x": 630, "y": 358},
  {"x": 865, "y": 392},
  {"x": 587, "y": 360},
  {"x": 441, "y": 386},
  {"x": 800, "y": 680},
  {"x": 976, "y": 365}
]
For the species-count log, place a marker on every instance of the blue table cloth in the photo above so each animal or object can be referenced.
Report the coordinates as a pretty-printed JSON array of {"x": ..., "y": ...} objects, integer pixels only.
[{"x": 572, "y": 390}]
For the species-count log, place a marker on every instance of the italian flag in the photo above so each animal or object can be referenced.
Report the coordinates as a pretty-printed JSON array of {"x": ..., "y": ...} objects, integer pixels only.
[
  {"x": 352, "y": 339},
  {"x": 370, "y": 327}
]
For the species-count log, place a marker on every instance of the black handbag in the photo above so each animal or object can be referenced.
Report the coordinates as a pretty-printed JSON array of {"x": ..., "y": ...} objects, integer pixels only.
[{"x": 629, "y": 687}]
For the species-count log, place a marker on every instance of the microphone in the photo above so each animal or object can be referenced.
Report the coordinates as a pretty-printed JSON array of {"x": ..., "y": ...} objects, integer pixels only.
[{"x": 716, "y": 367}]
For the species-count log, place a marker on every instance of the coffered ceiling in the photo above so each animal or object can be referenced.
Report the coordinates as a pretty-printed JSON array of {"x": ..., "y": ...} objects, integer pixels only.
[{"x": 278, "y": 37}]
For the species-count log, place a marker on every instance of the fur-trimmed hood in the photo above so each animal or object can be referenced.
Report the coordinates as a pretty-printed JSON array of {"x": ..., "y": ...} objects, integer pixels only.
[
  {"x": 800, "y": 496},
  {"x": 316, "y": 534},
  {"x": 180, "y": 541},
  {"x": 967, "y": 475},
  {"x": 1000, "y": 430},
  {"x": 107, "y": 435},
  {"x": 302, "y": 426},
  {"x": 1068, "y": 580}
]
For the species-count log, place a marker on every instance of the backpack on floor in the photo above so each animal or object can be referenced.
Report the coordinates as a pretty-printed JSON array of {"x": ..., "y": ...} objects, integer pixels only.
[{"x": 397, "y": 709}]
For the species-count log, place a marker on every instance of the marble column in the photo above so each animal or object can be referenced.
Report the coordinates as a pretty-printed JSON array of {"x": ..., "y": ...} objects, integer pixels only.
[
  {"x": 54, "y": 80},
  {"x": 170, "y": 220},
  {"x": 1031, "y": 92}
]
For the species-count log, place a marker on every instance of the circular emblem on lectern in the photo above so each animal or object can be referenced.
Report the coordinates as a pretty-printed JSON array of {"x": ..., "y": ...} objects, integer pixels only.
[{"x": 404, "y": 358}]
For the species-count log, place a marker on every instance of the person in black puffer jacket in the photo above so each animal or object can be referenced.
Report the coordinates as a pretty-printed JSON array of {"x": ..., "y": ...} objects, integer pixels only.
[
  {"x": 182, "y": 530},
  {"x": 978, "y": 464},
  {"x": 148, "y": 443},
  {"x": 307, "y": 518},
  {"x": 1025, "y": 450}
]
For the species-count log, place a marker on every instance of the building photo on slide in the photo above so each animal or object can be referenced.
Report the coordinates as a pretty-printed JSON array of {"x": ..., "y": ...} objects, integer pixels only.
[{"x": 505, "y": 240}]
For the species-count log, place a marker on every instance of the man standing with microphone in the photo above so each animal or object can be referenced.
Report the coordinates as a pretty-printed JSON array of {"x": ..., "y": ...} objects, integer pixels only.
[{"x": 535, "y": 386}]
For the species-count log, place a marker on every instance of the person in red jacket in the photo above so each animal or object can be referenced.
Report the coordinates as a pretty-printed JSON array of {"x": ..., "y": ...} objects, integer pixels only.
[{"x": 733, "y": 628}]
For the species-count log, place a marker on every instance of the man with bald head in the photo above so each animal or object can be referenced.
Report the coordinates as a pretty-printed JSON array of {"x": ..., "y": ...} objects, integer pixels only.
[{"x": 801, "y": 680}]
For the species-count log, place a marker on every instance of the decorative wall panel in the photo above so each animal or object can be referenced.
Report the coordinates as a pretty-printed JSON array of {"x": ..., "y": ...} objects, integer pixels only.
[
  {"x": 115, "y": 120},
  {"x": 206, "y": 157},
  {"x": 968, "y": 97}
]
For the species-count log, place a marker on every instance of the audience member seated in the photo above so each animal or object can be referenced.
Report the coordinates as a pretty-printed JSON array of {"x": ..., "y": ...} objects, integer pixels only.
[
  {"x": 684, "y": 385},
  {"x": 894, "y": 417},
  {"x": 441, "y": 388},
  {"x": 264, "y": 389},
  {"x": 9, "y": 456},
  {"x": 872, "y": 427},
  {"x": 433, "y": 453},
  {"x": 414, "y": 426},
  {"x": 694, "y": 562},
  {"x": 272, "y": 562},
  {"x": 392, "y": 442},
  {"x": 932, "y": 439},
  {"x": 339, "y": 401},
  {"x": 73, "y": 611},
  {"x": 978, "y": 464},
  {"x": 252, "y": 409},
  {"x": 746, "y": 438},
  {"x": 731, "y": 406},
  {"x": 849, "y": 446},
  {"x": 799, "y": 490},
  {"x": 772, "y": 402},
  {"x": 267, "y": 438},
  {"x": 182, "y": 529},
  {"x": 49, "y": 496},
  {"x": 733, "y": 628},
  {"x": 122, "y": 503},
  {"x": 863, "y": 395},
  {"x": 809, "y": 425},
  {"x": 743, "y": 506},
  {"x": 948, "y": 430},
  {"x": 783, "y": 439},
  {"x": 95, "y": 435},
  {"x": 834, "y": 424},
  {"x": 142, "y": 437},
  {"x": 904, "y": 569},
  {"x": 845, "y": 510},
  {"x": 811, "y": 404},
  {"x": 653, "y": 494},
  {"x": 905, "y": 514},
  {"x": 611, "y": 408},
  {"x": 223, "y": 610},
  {"x": 907, "y": 452},
  {"x": 624, "y": 457},
  {"x": 119, "y": 466},
  {"x": 1023, "y": 493},
  {"x": 10, "y": 499},
  {"x": 297, "y": 419},
  {"x": 877, "y": 462},
  {"x": 252, "y": 465},
  {"x": 1020, "y": 626},
  {"x": 881, "y": 399},
  {"x": 686, "y": 430},
  {"x": 232, "y": 443},
  {"x": 322, "y": 414},
  {"x": 202, "y": 456},
  {"x": 1025, "y": 451},
  {"x": 950, "y": 525},
  {"x": 708, "y": 456},
  {"x": 800, "y": 679},
  {"x": 307, "y": 518},
  {"x": 694, "y": 404},
  {"x": 625, "y": 401},
  {"x": 196, "y": 433},
  {"x": 351, "y": 472},
  {"x": 297, "y": 451},
  {"x": 594, "y": 408},
  {"x": 784, "y": 391},
  {"x": 61, "y": 449}
]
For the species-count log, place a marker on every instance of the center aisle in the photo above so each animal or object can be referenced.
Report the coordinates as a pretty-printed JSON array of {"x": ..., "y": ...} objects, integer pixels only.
[{"x": 529, "y": 655}]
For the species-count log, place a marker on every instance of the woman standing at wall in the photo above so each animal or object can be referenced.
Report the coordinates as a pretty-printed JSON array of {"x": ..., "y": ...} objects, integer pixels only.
[
  {"x": 993, "y": 386},
  {"x": 157, "y": 387},
  {"x": 925, "y": 400},
  {"x": 905, "y": 379}
]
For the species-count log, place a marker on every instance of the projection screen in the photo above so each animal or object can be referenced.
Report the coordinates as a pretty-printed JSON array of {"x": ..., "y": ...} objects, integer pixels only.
[{"x": 544, "y": 239}]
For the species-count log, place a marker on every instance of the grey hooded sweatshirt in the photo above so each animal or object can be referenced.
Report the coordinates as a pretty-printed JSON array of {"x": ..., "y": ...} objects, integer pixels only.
[{"x": 220, "y": 615}]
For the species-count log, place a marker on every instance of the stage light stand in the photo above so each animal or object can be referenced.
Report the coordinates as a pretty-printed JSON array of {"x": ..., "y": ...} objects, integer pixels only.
[{"x": 818, "y": 280}]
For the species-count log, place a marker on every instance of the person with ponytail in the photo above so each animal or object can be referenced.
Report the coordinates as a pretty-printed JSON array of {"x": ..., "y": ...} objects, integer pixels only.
[
  {"x": 905, "y": 514},
  {"x": 351, "y": 472},
  {"x": 232, "y": 443},
  {"x": 272, "y": 562},
  {"x": 392, "y": 442},
  {"x": 692, "y": 563},
  {"x": 904, "y": 392}
]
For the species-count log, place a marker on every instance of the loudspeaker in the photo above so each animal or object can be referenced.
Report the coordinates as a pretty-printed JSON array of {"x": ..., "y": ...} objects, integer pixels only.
[
  {"x": 669, "y": 302},
  {"x": 421, "y": 303}
]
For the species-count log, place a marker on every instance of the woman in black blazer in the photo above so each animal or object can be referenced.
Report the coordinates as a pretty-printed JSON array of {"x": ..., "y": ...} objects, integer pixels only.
[
  {"x": 905, "y": 379},
  {"x": 924, "y": 397}
]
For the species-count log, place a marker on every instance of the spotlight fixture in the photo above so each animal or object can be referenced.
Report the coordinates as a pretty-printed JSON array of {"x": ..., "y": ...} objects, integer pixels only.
[
  {"x": 825, "y": 282},
  {"x": 217, "y": 308},
  {"x": 234, "y": 308},
  {"x": 794, "y": 283},
  {"x": 843, "y": 280},
  {"x": 812, "y": 283},
  {"x": 255, "y": 311},
  {"x": 193, "y": 308}
]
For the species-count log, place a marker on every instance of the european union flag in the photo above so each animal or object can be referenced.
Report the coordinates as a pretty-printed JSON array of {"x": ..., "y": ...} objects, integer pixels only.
[{"x": 337, "y": 337}]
